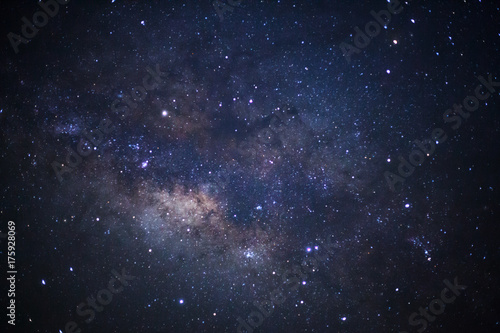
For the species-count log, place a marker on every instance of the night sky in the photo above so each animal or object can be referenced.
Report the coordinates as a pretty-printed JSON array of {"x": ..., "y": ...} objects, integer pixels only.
[{"x": 250, "y": 166}]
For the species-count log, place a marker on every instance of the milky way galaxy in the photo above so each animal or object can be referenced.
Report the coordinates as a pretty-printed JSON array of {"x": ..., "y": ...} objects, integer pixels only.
[{"x": 251, "y": 166}]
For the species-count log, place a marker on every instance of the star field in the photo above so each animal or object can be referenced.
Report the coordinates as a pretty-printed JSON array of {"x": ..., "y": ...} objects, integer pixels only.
[{"x": 252, "y": 166}]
